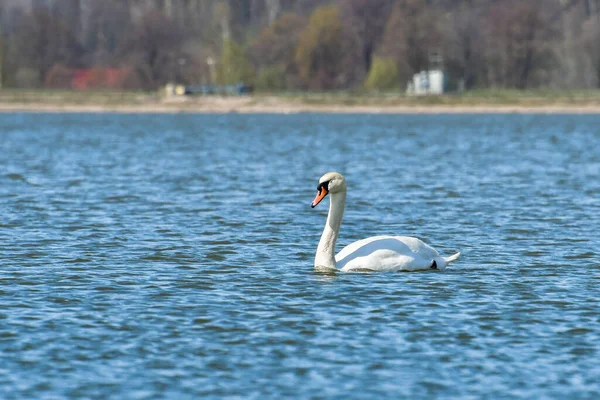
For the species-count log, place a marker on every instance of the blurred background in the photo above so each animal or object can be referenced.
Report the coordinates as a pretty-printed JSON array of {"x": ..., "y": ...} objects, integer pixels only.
[{"x": 296, "y": 45}]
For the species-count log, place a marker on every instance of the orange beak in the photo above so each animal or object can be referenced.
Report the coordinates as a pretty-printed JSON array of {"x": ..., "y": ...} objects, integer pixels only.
[{"x": 320, "y": 196}]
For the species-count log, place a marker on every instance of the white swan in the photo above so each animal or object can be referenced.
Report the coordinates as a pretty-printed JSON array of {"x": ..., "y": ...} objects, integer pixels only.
[{"x": 377, "y": 253}]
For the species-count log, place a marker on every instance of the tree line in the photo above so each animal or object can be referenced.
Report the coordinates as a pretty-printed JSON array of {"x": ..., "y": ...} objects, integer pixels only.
[{"x": 304, "y": 44}]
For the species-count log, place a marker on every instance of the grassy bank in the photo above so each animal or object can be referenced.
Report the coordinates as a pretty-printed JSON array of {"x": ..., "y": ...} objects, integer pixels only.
[
  {"x": 471, "y": 98},
  {"x": 138, "y": 101},
  {"x": 96, "y": 97}
]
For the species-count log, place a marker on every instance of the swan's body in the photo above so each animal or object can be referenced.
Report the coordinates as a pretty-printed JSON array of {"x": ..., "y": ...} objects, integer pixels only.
[{"x": 377, "y": 253}]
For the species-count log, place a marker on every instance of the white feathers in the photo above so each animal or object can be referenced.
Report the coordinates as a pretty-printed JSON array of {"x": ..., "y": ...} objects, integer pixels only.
[{"x": 377, "y": 253}]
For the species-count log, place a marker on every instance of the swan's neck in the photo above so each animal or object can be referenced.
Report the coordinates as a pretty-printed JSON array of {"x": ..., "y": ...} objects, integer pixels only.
[{"x": 325, "y": 257}]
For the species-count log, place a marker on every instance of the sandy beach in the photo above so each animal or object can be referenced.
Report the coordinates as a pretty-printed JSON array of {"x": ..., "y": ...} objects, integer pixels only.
[{"x": 283, "y": 105}]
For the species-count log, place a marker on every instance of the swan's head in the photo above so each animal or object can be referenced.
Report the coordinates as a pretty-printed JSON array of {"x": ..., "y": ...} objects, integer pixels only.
[{"x": 331, "y": 182}]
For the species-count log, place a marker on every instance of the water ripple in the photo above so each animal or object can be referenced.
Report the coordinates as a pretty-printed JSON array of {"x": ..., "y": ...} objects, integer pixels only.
[{"x": 171, "y": 256}]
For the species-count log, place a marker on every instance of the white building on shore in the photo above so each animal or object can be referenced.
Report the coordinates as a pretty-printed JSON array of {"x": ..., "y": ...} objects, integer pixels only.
[{"x": 429, "y": 82}]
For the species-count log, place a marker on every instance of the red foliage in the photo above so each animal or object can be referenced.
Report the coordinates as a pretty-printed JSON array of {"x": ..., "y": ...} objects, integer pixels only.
[{"x": 92, "y": 78}]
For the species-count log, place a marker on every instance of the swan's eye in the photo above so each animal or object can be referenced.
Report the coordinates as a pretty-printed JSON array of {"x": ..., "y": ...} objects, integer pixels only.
[{"x": 324, "y": 185}]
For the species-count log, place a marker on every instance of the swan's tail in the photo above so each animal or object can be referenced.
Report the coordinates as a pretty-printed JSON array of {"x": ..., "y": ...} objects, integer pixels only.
[
  {"x": 451, "y": 258},
  {"x": 442, "y": 262}
]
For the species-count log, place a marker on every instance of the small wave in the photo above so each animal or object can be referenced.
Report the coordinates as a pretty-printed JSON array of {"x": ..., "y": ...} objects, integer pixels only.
[
  {"x": 74, "y": 183},
  {"x": 121, "y": 199},
  {"x": 78, "y": 261},
  {"x": 521, "y": 231},
  {"x": 534, "y": 253},
  {"x": 157, "y": 257},
  {"x": 578, "y": 331},
  {"x": 586, "y": 255},
  {"x": 215, "y": 256},
  {"x": 16, "y": 177},
  {"x": 19, "y": 178}
]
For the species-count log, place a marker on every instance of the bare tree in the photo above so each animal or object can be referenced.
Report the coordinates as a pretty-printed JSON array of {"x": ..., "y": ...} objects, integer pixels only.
[
  {"x": 109, "y": 22},
  {"x": 591, "y": 49},
  {"x": 41, "y": 41},
  {"x": 412, "y": 33},
  {"x": 155, "y": 46},
  {"x": 462, "y": 43},
  {"x": 519, "y": 40},
  {"x": 365, "y": 20}
]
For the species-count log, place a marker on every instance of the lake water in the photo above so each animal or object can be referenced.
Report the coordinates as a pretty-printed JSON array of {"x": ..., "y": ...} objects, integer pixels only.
[{"x": 171, "y": 256}]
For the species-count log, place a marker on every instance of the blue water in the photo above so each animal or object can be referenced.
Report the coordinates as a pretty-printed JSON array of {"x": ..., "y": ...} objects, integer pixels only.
[{"x": 170, "y": 256}]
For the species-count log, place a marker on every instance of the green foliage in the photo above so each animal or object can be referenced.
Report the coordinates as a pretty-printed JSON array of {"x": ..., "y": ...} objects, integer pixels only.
[
  {"x": 320, "y": 48},
  {"x": 27, "y": 77},
  {"x": 273, "y": 53},
  {"x": 271, "y": 79},
  {"x": 277, "y": 43},
  {"x": 484, "y": 43},
  {"x": 234, "y": 66},
  {"x": 382, "y": 75}
]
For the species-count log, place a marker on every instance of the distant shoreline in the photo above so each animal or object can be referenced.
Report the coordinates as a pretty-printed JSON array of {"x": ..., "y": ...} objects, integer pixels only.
[
  {"x": 150, "y": 103},
  {"x": 295, "y": 109}
]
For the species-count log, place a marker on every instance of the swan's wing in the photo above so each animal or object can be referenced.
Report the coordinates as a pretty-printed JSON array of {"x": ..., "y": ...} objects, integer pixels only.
[
  {"x": 386, "y": 253},
  {"x": 418, "y": 246}
]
